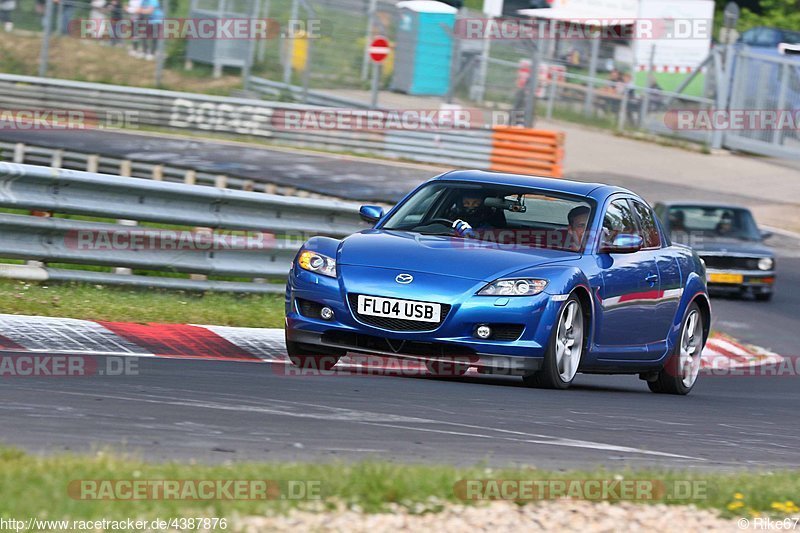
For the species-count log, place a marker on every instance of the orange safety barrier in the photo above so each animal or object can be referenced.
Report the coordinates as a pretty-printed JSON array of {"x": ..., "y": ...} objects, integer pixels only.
[{"x": 527, "y": 151}]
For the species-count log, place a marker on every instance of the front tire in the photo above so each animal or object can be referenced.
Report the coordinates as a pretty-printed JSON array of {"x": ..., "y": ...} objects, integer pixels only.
[
  {"x": 563, "y": 355},
  {"x": 680, "y": 373}
]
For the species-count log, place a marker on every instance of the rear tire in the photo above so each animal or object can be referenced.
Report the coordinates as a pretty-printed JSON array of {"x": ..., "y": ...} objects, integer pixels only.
[
  {"x": 764, "y": 297},
  {"x": 564, "y": 351},
  {"x": 679, "y": 374},
  {"x": 304, "y": 358}
]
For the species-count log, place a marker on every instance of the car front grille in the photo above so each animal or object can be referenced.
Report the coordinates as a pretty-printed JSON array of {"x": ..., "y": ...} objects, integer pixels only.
[
  {"x": 368, "y": 343},
  {"x": 727, "y": 262},
  {"x": 506, "y": 332},
  {"x": 395, "y": 324}
]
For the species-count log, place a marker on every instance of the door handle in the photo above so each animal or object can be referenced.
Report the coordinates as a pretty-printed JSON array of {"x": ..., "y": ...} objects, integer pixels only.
[{"x": 651, "y": 279}]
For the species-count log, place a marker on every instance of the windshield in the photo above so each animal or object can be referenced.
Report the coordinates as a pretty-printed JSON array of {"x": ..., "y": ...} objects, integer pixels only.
[
  {"x": 492, "y": 213},
  {"x": 713, "y": 222}
]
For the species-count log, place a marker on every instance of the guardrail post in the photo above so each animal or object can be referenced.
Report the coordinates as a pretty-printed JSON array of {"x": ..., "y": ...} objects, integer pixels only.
[
  {"x": 221, "y": 182},
  {"x": 125, "y": 169},
  {"x": 57, "y": 159},
  {"x": 19, "y": 153},
  {"x": 92, "y": 163},
  {"x": 158, "y": 173},
  {"x": 209, "y": 232},
  {"x": 270, "y": 188},
  {"x": 248, "y": 185},
  {"x": 190, "y": 178}
]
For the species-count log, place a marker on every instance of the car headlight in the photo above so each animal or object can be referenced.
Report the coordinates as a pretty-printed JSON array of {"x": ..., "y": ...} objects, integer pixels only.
[
  {"x": 317, "y": 263},
  {"x": 514, "y": 287},
  {"x": 765, "y": 263}
]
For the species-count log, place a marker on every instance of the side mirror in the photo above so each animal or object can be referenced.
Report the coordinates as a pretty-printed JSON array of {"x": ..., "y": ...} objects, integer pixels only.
[
  {"x": 765, "y": 234},
  {"x": 371, "y": 213},
  {"x": 623, "y": 243}
]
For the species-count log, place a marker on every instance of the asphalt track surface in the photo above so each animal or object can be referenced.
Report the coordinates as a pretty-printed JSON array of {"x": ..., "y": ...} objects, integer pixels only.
[
  {"x": 219, "y": 411},
  {"x": 341, "y": 176}
]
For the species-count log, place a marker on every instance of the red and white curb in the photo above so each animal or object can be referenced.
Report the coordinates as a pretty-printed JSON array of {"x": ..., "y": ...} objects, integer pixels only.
[
  {"x": 45, "y": 335},
  {"x": 724, "y": 352}
]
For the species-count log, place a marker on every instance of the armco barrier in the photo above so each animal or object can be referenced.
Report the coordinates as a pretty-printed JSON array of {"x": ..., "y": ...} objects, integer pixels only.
[
  {"x": 527, "y": 151},
  {"x": 281, "y": 222},
  {"x": 201, "y": 113}
]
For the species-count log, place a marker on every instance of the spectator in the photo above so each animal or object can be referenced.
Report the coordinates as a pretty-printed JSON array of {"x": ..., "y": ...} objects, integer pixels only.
[
  {"x": 150, "y": 12},
  {"x": 634, "y": 103},
  {"x": 67, "y": 8},
  {"x": 521, "y": 93},
  {"x": 133, "y": 13},
  {"x": 7, "y": 8},
  {"x": 98, "y": 17},
  {"x": 114, "y": 13}
]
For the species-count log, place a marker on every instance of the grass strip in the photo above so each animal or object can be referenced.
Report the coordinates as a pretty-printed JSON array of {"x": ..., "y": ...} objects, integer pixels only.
[
  {"x": 40, "y": 486},
  {"x": 118, "y": 304}
]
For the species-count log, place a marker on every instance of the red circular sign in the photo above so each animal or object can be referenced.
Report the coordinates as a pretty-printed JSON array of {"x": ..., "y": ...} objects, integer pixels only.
[{"x": 378, "y": 49}]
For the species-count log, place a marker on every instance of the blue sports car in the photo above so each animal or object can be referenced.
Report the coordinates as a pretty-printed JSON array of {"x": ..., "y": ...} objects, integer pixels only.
[{"x": 536, "y": 277}]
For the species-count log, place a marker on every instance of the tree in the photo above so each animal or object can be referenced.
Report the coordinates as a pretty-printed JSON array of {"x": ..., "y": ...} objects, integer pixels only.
[{"x": 779, "y": 13}]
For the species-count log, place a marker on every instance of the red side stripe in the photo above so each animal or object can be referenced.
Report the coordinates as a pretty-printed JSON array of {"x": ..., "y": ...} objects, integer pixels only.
[
  {"x": 8, "y": 344},
  {"x": 644, "y": 295},
  {"x": 179, "y": 340}
]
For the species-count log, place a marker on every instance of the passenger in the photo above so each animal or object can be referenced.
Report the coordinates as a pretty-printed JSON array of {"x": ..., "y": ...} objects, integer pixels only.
[
  {"x": 577, "y": 219},
  {"x": 677, "y": 220}
]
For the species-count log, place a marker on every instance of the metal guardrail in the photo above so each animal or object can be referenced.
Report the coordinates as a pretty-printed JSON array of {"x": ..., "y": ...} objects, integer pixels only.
[
  {"x": 54, "y": 239},
  {"x": 234, "y": 116},
  {"x": 92, "y": 162},
  {"x": 276, "y": 89}
]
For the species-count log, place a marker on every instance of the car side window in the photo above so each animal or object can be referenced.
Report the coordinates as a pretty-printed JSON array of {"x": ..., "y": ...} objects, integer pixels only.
[
  {"x": 648, "y": 226},
  {"x": 618, "y": 219}
]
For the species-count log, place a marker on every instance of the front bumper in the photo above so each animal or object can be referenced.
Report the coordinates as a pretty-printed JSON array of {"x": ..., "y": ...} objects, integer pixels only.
[
  {"x": 754, "y": 281},
  {"x": 452, "y": 340}
]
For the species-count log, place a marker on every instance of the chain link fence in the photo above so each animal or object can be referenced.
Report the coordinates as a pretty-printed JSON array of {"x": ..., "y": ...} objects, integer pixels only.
[{"x": 322, "y": 46}]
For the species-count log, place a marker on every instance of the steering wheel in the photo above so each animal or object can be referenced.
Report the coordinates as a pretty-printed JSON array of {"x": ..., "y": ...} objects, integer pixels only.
[{"x": 446, "y": 222}]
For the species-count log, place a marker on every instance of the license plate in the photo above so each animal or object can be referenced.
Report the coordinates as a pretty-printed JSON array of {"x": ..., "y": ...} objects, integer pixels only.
[
  {"x": 725, "y": 278},
  {"x": 399, "y": 309}
]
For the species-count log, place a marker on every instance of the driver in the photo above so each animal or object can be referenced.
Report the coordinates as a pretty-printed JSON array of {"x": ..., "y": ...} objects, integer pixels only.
[
  {"x": 470, "y": 209},
  {"x": 725, "y": 225}
]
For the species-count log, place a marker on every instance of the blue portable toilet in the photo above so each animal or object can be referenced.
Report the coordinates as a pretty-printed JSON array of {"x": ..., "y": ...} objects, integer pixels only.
[{"x": 423, "y": 47}]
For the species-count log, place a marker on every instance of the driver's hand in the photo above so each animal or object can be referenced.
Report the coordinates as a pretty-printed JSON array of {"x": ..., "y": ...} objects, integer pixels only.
[{"x": 462, "y": 228}]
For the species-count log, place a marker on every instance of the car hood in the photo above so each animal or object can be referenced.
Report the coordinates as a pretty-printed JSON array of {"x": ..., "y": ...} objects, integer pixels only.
[
  {"x": 734, "y": 246},
  {"x": 448, "y": 256}
]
